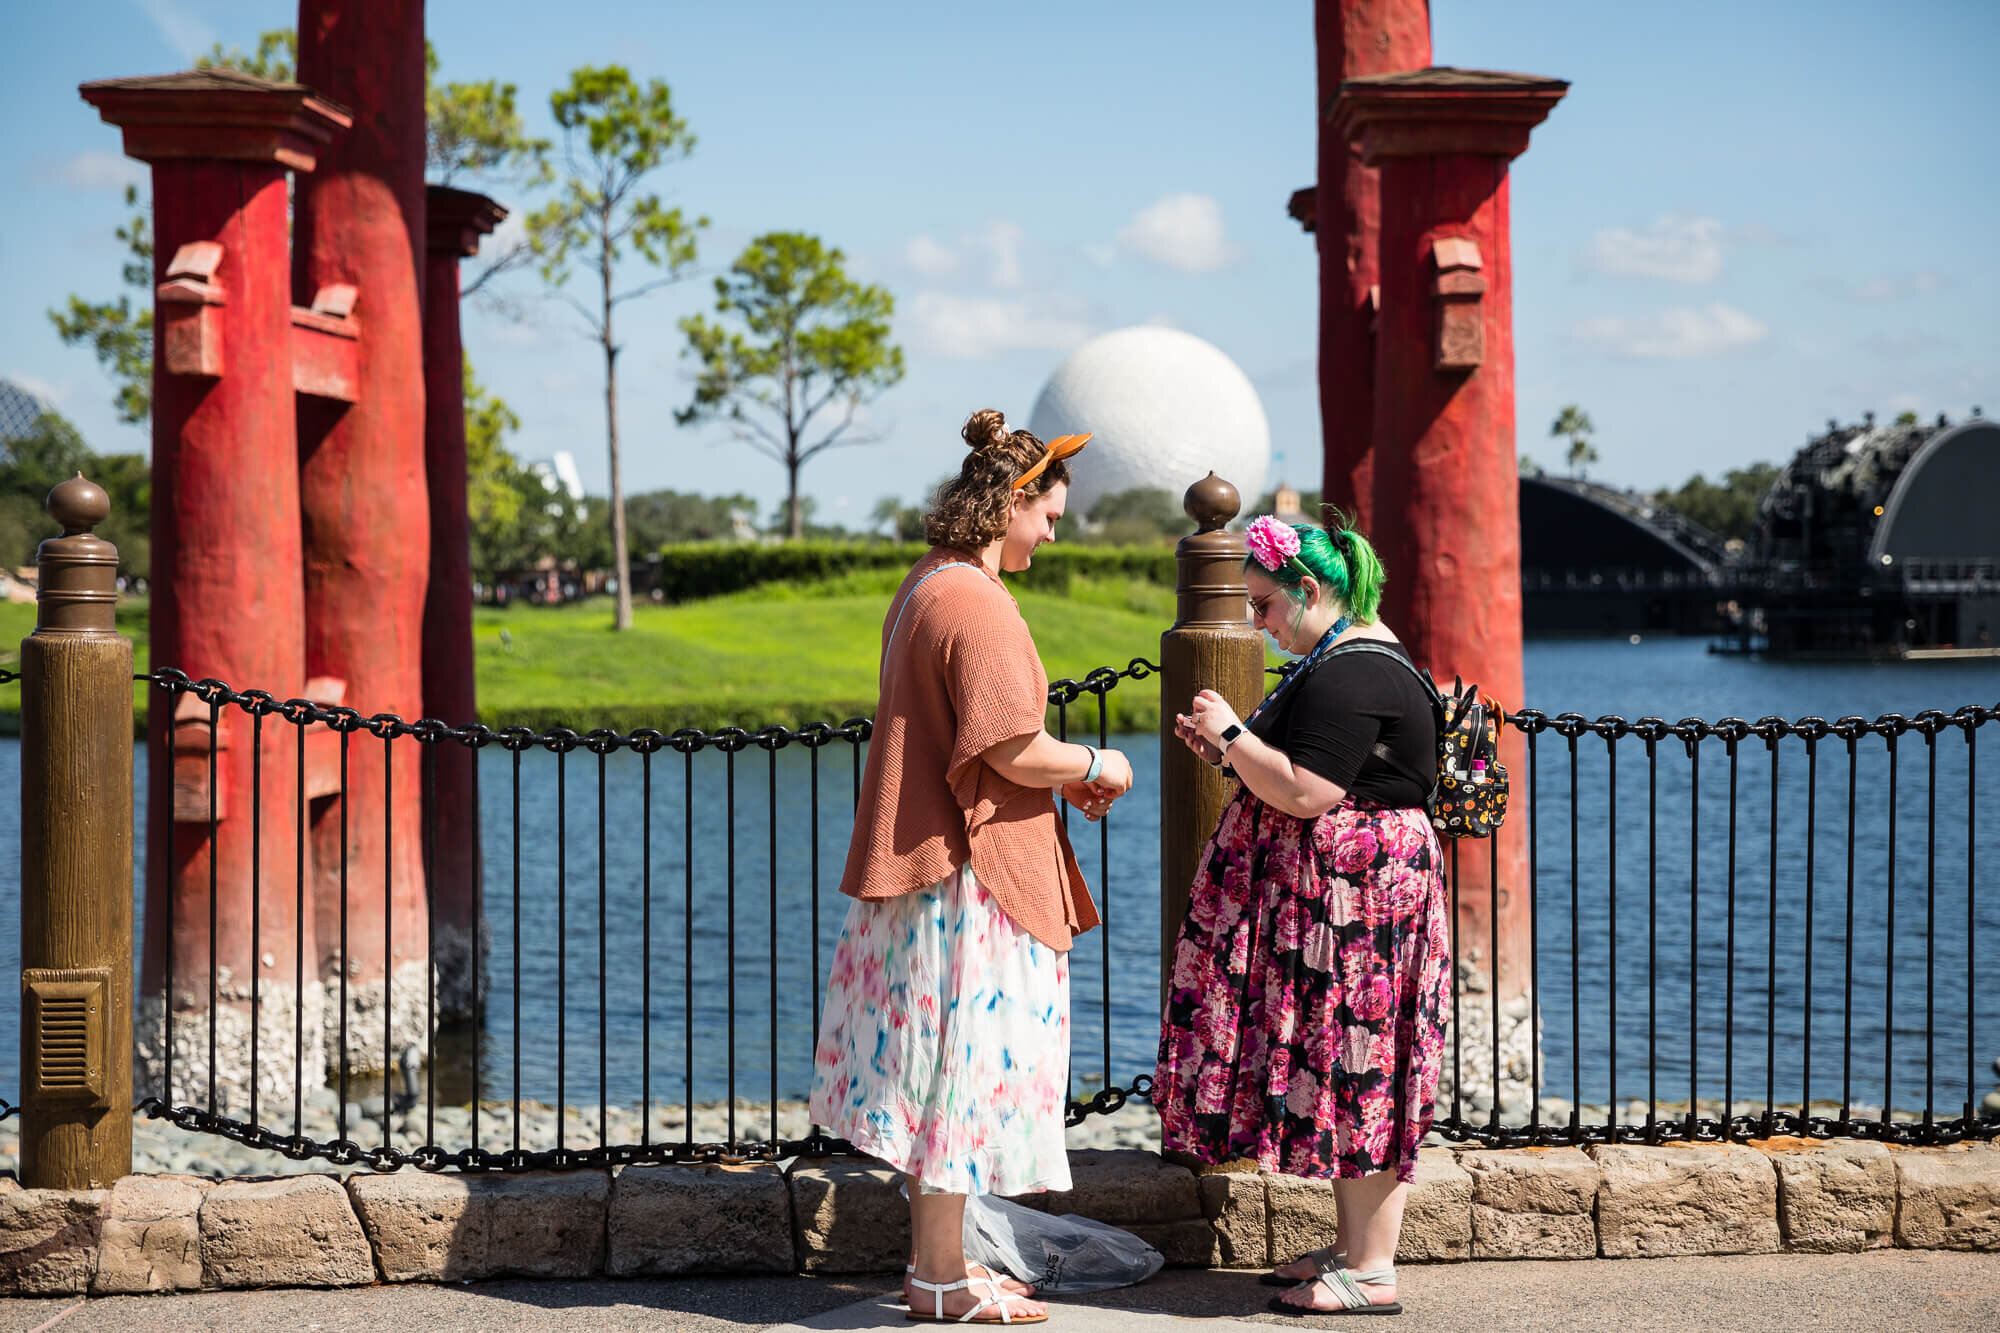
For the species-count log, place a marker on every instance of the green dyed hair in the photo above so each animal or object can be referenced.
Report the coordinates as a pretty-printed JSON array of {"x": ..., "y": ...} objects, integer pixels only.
[{"x": 1339, "y": 559}]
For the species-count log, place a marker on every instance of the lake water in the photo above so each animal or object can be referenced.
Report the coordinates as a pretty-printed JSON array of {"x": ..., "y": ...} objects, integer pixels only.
[{"x": 759, "y": 888}]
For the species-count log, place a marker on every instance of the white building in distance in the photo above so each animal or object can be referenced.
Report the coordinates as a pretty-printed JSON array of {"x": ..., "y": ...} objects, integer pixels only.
[{"x": 1164, "y": 409}]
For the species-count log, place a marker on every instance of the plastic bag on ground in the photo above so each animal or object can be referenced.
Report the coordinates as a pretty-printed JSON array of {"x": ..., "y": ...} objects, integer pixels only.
[{"x": 1058, "y": 1254}]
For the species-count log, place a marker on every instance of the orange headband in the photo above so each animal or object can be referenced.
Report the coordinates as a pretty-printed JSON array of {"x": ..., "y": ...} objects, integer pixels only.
[{"x": 1061, "y": 447}]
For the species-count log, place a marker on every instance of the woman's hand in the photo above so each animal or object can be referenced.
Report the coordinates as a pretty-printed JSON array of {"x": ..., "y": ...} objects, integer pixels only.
[
  {"x": 1085, "y": 797},
  {"x": 1203, "y": 750},
  {"x": 1114, "y": 779},
  {"x": 1212, "y": 717}
]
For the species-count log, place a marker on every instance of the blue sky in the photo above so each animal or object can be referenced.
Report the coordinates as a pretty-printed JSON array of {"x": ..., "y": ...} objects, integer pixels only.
[{"x": 1744, "y": 219}]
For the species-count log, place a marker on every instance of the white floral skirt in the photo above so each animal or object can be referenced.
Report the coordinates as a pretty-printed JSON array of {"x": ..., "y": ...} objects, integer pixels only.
[{"x": 944, "y": 1046}]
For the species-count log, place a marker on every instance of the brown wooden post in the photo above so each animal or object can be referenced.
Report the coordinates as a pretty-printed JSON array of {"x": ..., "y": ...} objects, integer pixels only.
[
  {"x": 1210, "y": 647},
  {"x": 76, "y": 861}
]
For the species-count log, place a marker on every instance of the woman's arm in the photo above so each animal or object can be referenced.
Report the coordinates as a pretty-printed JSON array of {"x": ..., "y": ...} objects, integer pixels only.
[
  {"x": 1266, "y": 770},
  {"x": 1040, "y": 760}
]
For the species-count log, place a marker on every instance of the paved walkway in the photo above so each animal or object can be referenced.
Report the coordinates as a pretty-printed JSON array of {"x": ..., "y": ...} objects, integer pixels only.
[{"x": 1889, "y": 1289}]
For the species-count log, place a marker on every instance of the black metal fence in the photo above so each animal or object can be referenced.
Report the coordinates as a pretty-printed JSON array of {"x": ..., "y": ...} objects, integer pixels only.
[
  {"x": 1778, "y": 922},
  {"x": 1813, "y": 905}
]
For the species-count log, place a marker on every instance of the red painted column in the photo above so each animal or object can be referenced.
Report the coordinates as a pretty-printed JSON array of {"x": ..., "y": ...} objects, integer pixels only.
[
  {"x": 1355, "y": 38},
  {"x": 456, "y": 221},
  {"x": 227, "y": 599},
  {"x": 359, "y": 220},
  {"x": 1444, "y": 514}
]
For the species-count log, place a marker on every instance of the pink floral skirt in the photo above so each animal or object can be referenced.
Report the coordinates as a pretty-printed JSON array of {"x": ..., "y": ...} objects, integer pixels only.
[{"x": 1311, "y": 985}]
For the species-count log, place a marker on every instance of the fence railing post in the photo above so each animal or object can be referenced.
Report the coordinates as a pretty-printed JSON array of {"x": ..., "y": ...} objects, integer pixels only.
[
  {"x": 76, "y": 860},
  {"x": 1210, "y": 647}
]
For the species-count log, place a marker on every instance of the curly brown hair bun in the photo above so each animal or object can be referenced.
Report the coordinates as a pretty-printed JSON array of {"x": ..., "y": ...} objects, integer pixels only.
[{"x": 973, "y": 509}]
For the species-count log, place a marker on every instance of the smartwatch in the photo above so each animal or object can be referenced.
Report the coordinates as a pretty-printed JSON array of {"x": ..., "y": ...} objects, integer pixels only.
[{"x": 1228, "y": 737}]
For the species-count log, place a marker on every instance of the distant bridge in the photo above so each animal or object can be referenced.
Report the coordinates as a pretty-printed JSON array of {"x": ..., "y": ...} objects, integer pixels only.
[{"x": 1600, "y": 561}]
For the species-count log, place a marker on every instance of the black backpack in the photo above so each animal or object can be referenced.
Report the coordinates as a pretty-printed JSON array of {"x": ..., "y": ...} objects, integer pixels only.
[{"x": 1469, "y": 789}]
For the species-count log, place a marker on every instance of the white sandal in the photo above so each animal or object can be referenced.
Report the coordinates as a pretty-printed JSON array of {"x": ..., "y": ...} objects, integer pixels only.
[
  {"x": 1345, "y": 1285},
  {"x": 978, "y": 1271},
  {"x": 994, "y": 1299}
]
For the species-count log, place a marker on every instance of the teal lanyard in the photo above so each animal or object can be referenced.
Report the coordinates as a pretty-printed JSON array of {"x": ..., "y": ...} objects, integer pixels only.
[{"x": 1304, "y": 664}]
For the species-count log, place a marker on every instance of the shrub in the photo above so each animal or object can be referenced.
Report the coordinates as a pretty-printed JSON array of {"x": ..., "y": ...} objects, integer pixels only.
[{"x": 695, "y": 570}]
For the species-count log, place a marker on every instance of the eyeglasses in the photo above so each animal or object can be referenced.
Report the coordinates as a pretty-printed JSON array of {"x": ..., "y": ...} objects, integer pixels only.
[{"x": 1259, "y": 605}]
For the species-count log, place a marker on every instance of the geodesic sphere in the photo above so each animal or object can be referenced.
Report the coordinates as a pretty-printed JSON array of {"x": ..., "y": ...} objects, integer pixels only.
[{"x": 1164, "y": 409}]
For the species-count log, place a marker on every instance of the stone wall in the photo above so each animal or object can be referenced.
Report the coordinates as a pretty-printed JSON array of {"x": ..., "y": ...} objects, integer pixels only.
[{"x": 183, "y": 1233}]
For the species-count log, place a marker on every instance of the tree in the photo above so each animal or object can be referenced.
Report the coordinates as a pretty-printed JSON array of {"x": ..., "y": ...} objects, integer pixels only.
[
  {"x": 475, "y": 130},
  {"x": 904, "y": 522},
  {"x": 494, "y": 491},
  {"x": 1727, "y": 508},
  {"x": 1141, "y": 516},
  {"x": 1267, "y": 503},
  {"x": 1906, "y": 417},
  {"x": 659, "y": 517},
  {"x": 1573, "y": 424},
  {"x": 50, "y": 452},
  {"x": 813, "y": 341},
  {"x": 121, "y": 337},
  {"x": 615, "y": 134},
  {"x": 276, "y": 57}
]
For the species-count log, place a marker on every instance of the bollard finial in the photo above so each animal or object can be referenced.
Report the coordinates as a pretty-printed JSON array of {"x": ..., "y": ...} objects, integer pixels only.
[
  {"x": 77, "y": 590},
  {"x": 79, "y": 504},
  {"x": 1211, "y": 503}
]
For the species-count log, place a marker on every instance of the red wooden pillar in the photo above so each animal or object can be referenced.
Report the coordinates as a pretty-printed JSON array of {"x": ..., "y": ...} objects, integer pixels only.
[
  {"x": 1355, "y": 38},
  {"x": 456, "y": 221},
  {"x": 359, "y": 221},
  {"x": 1444, "y": 513},
  {"x": 227, "y": 597}
]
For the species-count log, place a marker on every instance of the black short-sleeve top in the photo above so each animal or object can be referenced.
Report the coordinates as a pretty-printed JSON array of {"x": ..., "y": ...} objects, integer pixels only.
[{"x": 1362, "y": 722}]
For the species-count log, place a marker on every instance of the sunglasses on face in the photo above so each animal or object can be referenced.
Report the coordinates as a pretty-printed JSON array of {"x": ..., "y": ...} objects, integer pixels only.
[{"x": 1259, "y": 605}]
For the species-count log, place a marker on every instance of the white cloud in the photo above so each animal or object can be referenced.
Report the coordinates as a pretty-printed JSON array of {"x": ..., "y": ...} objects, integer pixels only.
[
  {"x": 1183, "y": 232},
  {"x": 1682, "y": 334},
  {"x": 1891, "y": 287},
  {"x": 930, "y": 259},
  {"x": 973, "y": 328},
  {"x": 97, "y": 170},
  {"x": 187, "y": 35},
  {"x": 997, "y": 245},
  {"x": 1677, "y": 248}
]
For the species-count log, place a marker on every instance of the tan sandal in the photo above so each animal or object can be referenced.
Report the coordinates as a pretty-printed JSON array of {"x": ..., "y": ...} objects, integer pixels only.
[
  {"x": 1344, "y": 1285},
  {"x": 1319, "y": 1258}
]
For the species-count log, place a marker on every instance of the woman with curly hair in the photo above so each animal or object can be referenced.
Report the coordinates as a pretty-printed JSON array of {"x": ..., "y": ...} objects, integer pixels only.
[
  {"x": 1304, "y": 1025},
  {"x": 944, "y": 1047}
]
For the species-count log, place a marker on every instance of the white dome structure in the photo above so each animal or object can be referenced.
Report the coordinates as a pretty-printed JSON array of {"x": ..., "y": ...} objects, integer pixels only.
[{"x": 1164, "y": 409}]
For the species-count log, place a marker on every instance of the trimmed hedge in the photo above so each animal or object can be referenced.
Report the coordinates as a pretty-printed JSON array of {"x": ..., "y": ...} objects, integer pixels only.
[{"x": 695, "y": 570}]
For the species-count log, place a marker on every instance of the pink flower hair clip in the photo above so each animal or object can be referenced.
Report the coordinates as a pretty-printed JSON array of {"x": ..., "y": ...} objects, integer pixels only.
[{"x": 1271, "y": 542}]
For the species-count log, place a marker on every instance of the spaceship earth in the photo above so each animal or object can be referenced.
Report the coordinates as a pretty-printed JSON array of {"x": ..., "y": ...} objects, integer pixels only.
[{"x": 1164, "y": 409}]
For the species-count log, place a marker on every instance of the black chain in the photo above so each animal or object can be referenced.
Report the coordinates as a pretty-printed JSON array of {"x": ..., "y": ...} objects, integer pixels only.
[
  {"x": 1732, "y": 730},
  {"x": 8, "y": 677},
  {"x": 1739, "y": 1129},
  {"x": 562, "y": 740}
]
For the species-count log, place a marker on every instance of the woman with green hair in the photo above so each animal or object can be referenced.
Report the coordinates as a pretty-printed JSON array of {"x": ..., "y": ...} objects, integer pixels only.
[{"x": 1311, "y": 981}]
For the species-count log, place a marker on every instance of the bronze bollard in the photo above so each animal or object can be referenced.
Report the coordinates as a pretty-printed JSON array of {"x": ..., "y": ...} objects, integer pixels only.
[
  {"x": 76, "y": 861},
  {"x": 1210, "y": 647}
]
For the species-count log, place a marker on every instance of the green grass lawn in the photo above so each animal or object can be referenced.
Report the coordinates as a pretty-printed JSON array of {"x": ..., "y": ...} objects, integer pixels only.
[{"x": 771, "y": 654}]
